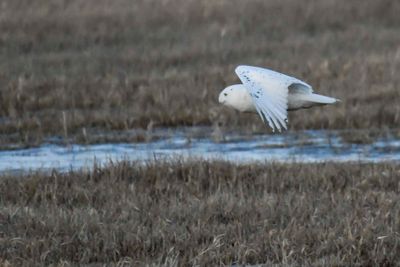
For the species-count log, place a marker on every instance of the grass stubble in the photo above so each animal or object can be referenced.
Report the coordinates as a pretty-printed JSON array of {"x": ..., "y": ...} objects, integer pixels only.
[
  {"x": 201, "y": 213},
  {"x": 76, "y": 68}
]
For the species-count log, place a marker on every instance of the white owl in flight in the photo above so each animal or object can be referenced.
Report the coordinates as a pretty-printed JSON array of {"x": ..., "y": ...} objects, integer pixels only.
[{"x": 271, "y": 94}]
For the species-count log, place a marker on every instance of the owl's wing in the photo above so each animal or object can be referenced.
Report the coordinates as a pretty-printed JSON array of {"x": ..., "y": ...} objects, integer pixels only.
[{"x": 269, "y": 92}]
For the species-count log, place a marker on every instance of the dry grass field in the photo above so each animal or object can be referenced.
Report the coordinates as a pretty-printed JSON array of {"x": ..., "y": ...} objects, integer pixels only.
[
  {"x": 198, "y": 213},
  {"x": 72, "y": 68},
  {"x": 98, "y": 70}
]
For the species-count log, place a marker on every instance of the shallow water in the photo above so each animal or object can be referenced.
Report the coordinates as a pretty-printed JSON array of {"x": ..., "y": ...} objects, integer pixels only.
[{"x": 308, "y": 146}]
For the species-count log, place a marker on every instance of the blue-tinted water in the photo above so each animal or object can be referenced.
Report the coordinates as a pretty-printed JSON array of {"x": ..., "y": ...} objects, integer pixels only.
[{"x": 311, "y": 146}]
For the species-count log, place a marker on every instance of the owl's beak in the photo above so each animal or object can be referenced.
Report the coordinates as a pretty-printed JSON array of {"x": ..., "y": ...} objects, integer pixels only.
[{"x": 221, "y": 98}]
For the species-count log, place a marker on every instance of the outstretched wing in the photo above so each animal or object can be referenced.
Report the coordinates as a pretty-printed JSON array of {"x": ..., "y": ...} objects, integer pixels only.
[
  {"x": 300, "y": 88},
  {"x": 269, "y": 91}
]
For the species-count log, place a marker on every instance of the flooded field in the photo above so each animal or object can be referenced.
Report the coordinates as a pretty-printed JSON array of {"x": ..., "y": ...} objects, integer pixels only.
[
  {"x": 114, "y": 150},
  {"x": 305, "y": 146}
]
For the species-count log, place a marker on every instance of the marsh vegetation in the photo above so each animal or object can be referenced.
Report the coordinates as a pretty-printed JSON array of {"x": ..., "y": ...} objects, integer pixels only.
[
  {"x": 200, "y": 213},
  {"x": 76, "y": 68},
  {"x": 95, "y": 71}
]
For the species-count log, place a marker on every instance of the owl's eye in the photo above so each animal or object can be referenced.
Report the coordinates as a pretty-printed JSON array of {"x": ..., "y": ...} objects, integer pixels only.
[{"x": 225, "y": 94}]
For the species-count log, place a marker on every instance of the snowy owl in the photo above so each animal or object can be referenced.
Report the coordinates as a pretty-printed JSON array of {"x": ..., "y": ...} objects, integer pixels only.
[{"x": 271, "y": 94}]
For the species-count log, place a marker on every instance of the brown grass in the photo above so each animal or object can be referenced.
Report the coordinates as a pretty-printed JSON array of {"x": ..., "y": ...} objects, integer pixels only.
[
  {"x": 118, "y": 65},
  {"x": 198, "y": 213}
]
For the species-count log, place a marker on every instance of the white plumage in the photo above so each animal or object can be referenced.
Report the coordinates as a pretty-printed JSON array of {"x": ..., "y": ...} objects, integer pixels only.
[{"x": 271, "y": 94}]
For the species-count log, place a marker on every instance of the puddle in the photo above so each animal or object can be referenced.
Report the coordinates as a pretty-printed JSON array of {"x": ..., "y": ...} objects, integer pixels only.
[{"x": 308, "y": 146}]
